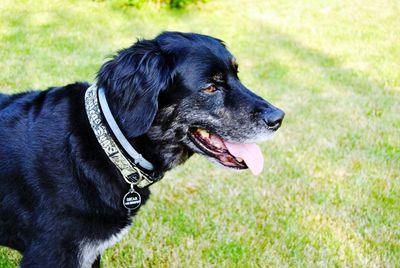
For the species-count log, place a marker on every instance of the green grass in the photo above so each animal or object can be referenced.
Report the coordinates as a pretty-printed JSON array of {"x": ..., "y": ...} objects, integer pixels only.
[{"x": 330, "y": 191}]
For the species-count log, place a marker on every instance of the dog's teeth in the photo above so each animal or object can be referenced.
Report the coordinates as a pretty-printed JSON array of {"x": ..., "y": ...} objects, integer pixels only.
[
  {"x": 203, "y": 133},
  {"x": 239, "y": 159}
]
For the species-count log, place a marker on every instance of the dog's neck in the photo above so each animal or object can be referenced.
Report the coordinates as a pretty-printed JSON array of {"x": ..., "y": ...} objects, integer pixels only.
[
  {"x": 157, "y": 148},
  {"x": 117, "y": 148},
  {"x": 162, "y": 143},
  {"x": 136, "y": 157},
  {"x": 164, "y": 152}
]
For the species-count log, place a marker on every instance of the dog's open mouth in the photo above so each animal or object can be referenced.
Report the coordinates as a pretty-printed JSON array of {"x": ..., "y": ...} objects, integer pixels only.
[{"x": 229, "y": 154}]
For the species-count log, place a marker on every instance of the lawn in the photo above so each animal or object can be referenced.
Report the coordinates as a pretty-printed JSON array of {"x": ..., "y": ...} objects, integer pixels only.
[{"x": 330, "y": 191}]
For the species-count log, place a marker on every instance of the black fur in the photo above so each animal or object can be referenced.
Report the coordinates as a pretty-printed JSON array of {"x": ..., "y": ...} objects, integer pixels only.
[{"x": 59, "y": 190}]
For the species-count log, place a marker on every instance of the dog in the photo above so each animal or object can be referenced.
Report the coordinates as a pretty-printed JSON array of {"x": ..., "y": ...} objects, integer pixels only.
[{"x": 76, "y": 161}]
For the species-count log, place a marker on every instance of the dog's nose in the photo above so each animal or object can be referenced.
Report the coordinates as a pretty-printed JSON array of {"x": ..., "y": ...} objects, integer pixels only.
[{"x": 273, "y": 118}]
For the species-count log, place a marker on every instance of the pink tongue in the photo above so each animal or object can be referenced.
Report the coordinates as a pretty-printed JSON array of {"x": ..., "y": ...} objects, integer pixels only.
[{"x": 250, "y": 153}]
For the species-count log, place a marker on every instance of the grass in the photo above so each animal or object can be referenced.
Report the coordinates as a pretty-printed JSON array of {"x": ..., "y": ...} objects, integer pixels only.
[{"x": 330, "y": 191}]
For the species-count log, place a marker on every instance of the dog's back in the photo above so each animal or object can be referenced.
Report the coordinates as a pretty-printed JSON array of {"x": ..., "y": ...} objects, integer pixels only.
[
  {"x": 46, "y": 185},
  {"x": 32, "y": 140},
  {"x": 13, "y": 137},
  {"x": 3, "y": 99}
]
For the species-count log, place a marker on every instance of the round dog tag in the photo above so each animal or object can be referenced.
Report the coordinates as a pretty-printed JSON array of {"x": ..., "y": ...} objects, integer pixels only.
[{"x": 132, "y": 200}]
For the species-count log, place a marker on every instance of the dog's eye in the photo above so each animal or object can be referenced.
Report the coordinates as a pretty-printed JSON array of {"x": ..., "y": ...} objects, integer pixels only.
[{"x": 210, "y": 88}]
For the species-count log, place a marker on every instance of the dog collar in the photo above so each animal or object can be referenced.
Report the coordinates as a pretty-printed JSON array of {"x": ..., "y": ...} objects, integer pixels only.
[{"x": 97, "y": 110}]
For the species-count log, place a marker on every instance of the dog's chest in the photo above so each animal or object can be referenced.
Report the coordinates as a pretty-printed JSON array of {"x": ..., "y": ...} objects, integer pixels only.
[{"x": 90, "y": 249}]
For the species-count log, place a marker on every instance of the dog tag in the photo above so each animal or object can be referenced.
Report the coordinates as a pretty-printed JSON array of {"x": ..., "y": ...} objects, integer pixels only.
[{"x": 132, "y": 200}]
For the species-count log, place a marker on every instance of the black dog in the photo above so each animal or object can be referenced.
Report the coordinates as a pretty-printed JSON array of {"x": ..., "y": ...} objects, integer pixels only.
[{"x": 61, "y": 193}]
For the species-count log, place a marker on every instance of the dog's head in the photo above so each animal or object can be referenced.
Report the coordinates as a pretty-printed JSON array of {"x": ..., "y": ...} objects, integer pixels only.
[{"x": 180, "y": 92}]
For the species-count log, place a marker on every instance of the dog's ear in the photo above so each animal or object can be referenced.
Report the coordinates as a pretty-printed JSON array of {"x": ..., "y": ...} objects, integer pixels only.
[{"x": 133, "y": 80}]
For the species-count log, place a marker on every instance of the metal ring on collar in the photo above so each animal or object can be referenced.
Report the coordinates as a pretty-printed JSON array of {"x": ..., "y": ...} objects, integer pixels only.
[{"x": 138, "y": 180}]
